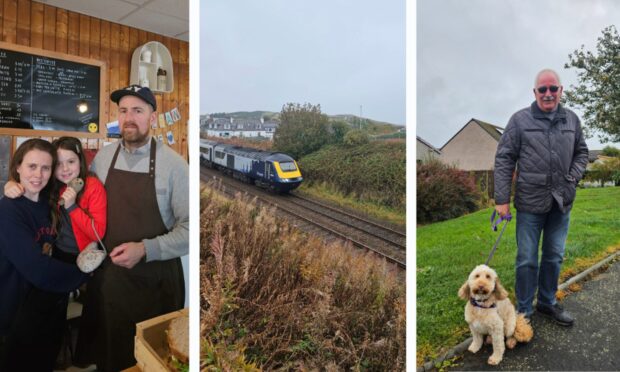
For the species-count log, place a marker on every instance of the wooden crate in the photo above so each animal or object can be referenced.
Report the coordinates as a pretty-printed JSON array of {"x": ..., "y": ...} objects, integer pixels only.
[{"x": 151, "y": 346}]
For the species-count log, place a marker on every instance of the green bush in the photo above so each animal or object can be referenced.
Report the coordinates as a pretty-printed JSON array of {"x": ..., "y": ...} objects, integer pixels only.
[
  {"x": 611, "y": 151},
  {"x": 371, "y": 172},
  {"x": 444, "y": 192},
  {"x": 356, "y": 137},
  {"x": 605, "y": 171}
]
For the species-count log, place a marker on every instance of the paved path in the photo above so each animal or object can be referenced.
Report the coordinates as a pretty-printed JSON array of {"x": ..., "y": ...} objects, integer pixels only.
[{"x": 591, "y": 344}]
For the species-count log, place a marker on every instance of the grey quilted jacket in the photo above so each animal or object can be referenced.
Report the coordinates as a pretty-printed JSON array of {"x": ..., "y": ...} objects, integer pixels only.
[{"x": 550, "y": 158}]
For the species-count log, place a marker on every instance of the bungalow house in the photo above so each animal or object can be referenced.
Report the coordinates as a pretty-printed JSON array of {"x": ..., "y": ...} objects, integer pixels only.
[
  {"x": 473, "y": 147},
  {"x": 425, "y": 150}
]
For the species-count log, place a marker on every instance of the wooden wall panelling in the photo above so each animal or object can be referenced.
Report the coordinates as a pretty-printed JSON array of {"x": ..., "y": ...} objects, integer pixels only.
[
  {"x": 49, "y": 28},
  {"x": 142, "y": 37},
  {"x": 183, "y": 86},
  {"x": 37, "y": 17},
  {"x": 105, "y": 56},
  {"x": 95, "y": 38},
  {"x": 62, "y": 30},
  {"x": 114, "y": 63},
  {"x": 73, "y": 34},
  {"x": 1, "y": 17},
  {"x": 84, "y": 45},
  {"x": 124, "y": 57},
  {"x": 24, "y": 25},
  {"x": 9, "y": 26},
  {"x": 133, "y": 39}
]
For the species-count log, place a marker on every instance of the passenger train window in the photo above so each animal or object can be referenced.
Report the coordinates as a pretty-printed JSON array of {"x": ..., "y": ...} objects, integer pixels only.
[
  {"x": 219, "y": 154},
  {"x": 288, "y": 166}
]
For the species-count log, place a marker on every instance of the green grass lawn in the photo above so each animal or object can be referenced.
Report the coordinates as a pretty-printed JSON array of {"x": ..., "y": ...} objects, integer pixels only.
[{"x": 447, "y": 251}]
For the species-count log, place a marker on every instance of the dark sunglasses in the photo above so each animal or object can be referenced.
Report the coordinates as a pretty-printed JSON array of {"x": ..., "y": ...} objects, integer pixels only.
[{"x": 552, "y": 88}]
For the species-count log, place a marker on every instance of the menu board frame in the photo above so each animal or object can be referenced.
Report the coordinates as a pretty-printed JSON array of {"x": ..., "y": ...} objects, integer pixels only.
[{"x": 102, "y": 98}]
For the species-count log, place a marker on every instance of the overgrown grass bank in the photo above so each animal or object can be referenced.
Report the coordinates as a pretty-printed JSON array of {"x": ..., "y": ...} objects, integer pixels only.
[
  {"x": 271, "y": 298},
  {"x": 448, "y": 251},
  {"x": 371, "y": 172},
  {"x": 329, "y": 193}
]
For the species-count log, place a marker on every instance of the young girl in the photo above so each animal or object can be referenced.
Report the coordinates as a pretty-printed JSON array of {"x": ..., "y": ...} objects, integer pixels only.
[{"x": 83, "y": 212}]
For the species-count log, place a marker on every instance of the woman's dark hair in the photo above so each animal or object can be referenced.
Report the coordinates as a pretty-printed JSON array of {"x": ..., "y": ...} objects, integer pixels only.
[{"x": 75, "y": 145}]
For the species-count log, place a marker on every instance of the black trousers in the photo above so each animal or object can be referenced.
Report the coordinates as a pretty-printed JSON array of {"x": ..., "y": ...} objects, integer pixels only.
[
  {"x": 2, "y": 352},
  {"x": 34, "y": 341}
]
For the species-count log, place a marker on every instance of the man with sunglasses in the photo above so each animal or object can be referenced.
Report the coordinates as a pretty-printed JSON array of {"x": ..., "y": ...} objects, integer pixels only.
[{"x": 545, "y": 144}]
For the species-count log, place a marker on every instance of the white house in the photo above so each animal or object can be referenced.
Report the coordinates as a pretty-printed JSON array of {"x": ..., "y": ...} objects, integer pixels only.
[{"x": 231, "y": 127}]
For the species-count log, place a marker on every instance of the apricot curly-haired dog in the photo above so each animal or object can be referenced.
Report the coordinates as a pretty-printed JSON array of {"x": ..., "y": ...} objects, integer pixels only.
[{"x": 490, "y": 312}]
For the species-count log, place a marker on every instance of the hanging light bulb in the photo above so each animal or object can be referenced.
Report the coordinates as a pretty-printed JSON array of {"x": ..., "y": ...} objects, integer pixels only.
[{"x": 82, "y": 107}]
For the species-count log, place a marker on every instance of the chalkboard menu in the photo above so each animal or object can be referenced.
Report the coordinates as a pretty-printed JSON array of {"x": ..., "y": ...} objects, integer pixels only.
[{"x": 45, "y": 93}]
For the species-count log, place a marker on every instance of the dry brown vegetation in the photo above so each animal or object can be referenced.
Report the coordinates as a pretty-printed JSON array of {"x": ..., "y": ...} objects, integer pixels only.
[{"x": 275, "y": 299}]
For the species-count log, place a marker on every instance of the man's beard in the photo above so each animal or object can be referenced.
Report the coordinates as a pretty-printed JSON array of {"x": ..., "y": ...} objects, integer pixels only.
[{"x": 134, "y": 137}]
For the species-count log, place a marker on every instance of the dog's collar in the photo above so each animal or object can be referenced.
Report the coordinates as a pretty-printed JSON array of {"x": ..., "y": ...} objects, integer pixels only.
[{"x": 477, "y": 304}]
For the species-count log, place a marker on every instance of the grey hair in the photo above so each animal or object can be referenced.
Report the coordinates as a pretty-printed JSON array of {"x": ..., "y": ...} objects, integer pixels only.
[{"x": 544, "y": 71}]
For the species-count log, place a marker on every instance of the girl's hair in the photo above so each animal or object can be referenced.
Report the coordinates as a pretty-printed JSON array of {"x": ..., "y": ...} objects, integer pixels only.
[{"x": 75, "y": 145}]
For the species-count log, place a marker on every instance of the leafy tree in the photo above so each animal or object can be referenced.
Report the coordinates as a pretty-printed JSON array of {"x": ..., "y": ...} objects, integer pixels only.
[
  {"x": 303, "y": 129},
  {"x": 611, "y": 151},
  {"x": 598, "y": 90}
]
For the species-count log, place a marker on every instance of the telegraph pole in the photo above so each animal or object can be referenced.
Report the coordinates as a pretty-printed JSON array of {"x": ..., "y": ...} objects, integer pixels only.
[{"x": 360, "y": 116}]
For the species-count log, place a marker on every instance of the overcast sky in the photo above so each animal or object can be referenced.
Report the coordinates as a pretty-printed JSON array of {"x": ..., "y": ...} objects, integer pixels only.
[
  {"x": 341, "y": 54},
  {"x": 478, "y": 58}
]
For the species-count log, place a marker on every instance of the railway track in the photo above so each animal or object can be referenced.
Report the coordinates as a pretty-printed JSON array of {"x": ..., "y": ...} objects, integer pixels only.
[{"x": 321, "y": 219}]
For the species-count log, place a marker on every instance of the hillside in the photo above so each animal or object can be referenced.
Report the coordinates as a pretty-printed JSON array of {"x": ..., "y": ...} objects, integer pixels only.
[{"x": 373, "y": 127}]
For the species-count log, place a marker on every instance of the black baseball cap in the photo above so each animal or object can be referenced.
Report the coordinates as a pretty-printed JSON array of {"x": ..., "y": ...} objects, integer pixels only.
[{"x": 137, "y": 91}]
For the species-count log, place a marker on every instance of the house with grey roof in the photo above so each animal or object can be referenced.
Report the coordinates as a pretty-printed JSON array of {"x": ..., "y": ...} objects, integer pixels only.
[
  {"x": 234, "y": 127},
  {"x": 424, "y": 150},
  {"x": 473, "y": 147}
]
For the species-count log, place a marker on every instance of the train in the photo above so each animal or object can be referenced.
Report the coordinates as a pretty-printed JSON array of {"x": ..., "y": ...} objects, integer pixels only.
[{"x": 272, "y": 170}]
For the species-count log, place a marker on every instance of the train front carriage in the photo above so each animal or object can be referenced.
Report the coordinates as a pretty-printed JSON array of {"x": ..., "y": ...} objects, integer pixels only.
[{"x": 284, "y": 172}]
